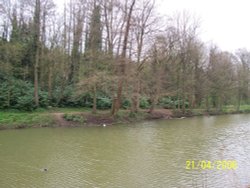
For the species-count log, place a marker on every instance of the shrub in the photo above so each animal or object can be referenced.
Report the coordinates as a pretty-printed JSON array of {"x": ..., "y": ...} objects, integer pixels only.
[
  {"x": 75, "y": 118},
  {"x": 25, "y": 103},
  {"x": 167, "y": 102},
  {"x": 126, "y": 104},
  {"x": 43, "y": 99},
  {"x": 18, "y": 94},
  {"x": 144, "y": 103},
  {"x": 104, "y": 103}
]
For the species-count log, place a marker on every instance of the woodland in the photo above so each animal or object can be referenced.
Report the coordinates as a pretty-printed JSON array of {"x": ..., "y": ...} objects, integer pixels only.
[{"x": 112, "y": 55}]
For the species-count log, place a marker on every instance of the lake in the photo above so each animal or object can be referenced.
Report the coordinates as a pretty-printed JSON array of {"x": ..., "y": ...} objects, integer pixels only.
[{"x": 147, "y": 154}]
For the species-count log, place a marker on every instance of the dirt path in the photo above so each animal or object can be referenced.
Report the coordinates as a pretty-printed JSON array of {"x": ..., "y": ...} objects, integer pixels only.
[{"x": 60, "y": 121}]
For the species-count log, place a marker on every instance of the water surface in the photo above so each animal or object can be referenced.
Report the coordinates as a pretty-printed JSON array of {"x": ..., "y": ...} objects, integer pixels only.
[{"x": 149, "y": 154}]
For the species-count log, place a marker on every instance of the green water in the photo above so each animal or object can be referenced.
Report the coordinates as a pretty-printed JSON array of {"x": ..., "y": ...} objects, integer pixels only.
[{"x": 149, "y": 154}]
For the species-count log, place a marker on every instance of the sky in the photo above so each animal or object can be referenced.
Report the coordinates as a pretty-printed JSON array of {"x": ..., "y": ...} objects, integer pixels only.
[{"x": 225, "y": 23}]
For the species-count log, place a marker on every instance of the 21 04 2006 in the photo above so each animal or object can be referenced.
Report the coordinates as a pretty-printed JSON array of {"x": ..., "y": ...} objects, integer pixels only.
[{"x": 210, "y": 165}]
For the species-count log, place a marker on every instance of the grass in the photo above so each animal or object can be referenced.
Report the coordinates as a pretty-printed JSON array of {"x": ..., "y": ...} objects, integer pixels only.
[
  {"x": 68, "y": 110},
  {"x": 44, "y": 117},
  {"x": 229, "y": 109},
  {"x": 245, "y": 108},
  {"x": 25, "y": 119}
]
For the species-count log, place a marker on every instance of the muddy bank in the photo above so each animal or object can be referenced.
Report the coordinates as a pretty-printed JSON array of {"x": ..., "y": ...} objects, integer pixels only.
[
  {"x": 83, "y": 119},
  {"x": 87, "y": 119}
]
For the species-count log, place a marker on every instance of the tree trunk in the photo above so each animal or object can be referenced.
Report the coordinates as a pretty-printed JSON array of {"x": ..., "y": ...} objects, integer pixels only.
[
  {"x": 117, "y": 103},
  {"x": 36, "y": 80},
  {"x": 135, "y": 97},
  {"x": 153, "y": 103},
  {"x": 94, "y": 100},
  {"x": 37, "y": 50},
  {"x": 207, "y": 103},
  {"x": 239, "y": 100},
  {"x": 50, "y": 83}
]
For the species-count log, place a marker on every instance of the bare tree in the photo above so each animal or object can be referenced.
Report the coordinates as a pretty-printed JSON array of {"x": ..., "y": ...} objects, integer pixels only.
[
  {"x": 122, "y": 71},
  {"x": 37, "y": 23},
  {"x": 144, "y": 21}
]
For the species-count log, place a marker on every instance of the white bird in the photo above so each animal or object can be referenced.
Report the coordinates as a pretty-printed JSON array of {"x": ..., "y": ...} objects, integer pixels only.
[{"x": 104, "y": 125}]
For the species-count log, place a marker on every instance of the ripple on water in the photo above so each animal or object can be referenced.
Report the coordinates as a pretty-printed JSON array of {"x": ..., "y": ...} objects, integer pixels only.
[{"x": 151, "y": 154}]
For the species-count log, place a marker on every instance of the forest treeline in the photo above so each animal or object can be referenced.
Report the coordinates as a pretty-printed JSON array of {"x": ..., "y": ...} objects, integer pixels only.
[{"x": 112, "y": 54}]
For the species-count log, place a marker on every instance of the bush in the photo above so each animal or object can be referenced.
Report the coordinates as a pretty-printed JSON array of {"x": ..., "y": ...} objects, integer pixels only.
[
  {"x": 43, "y": 99},
  {"x": 144, "y": 103},
  {"x": 25, "y": 103},
  {"x": 18, "y": 94},
  {"x": 126, "y": 104},
  {"x": 171, "y": 103},
  {"x": 104, "y": 103},
  {"x": 75, "y": 118},
  {"x": 167, "y": 102}
]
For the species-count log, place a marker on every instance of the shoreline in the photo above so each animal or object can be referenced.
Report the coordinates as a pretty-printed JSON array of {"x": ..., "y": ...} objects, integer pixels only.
[{"x": 87, "y": 119}]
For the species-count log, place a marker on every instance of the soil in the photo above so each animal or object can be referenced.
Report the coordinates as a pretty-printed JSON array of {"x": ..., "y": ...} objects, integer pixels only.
[
  {"x": 91, "y": 119},
  {"x": 107, "y": 119},
  {"x": 100, "y": 120},
  {"x": 161, "y": 114},
  {"x": 60, "y": 121}
]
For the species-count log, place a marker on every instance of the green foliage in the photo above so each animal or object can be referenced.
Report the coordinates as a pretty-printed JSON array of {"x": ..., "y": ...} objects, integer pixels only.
[
  {"x": 75, "y": 118},
  {"x": 25, "y": 103},
  {"x": 67, "y": 97},
  {"x": 126, "y": 104},
  {"x": 43, "y": 99},
  {"x": 167, "y": 102},
  {"x": 171, "y": 103},
  {"x": 104, "y": 103},
  {"x": 70, "y": 99},
  {"x": 144, "y": 103},
  {"x": 18, "y": 94}
]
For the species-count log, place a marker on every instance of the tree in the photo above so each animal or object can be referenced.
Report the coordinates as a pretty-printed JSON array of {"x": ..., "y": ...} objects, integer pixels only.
[
  {"x": 93, "y": 52},
  {"x": 37, "y": 23},
  {"x": 143, "y": 23},
  {"x": 77, "y": 42},
  {"x": 220, "y": 63},
  {"x": 122, "y": 66},
  {"x": 243, "y": 76}
]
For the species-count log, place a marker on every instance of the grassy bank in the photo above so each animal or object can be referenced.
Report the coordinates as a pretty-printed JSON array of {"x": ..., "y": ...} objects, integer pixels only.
[
  {"x": 25, "y": 119},
  {"x": 230, "y": 109},
  {"x": 81, "y": 116}
]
